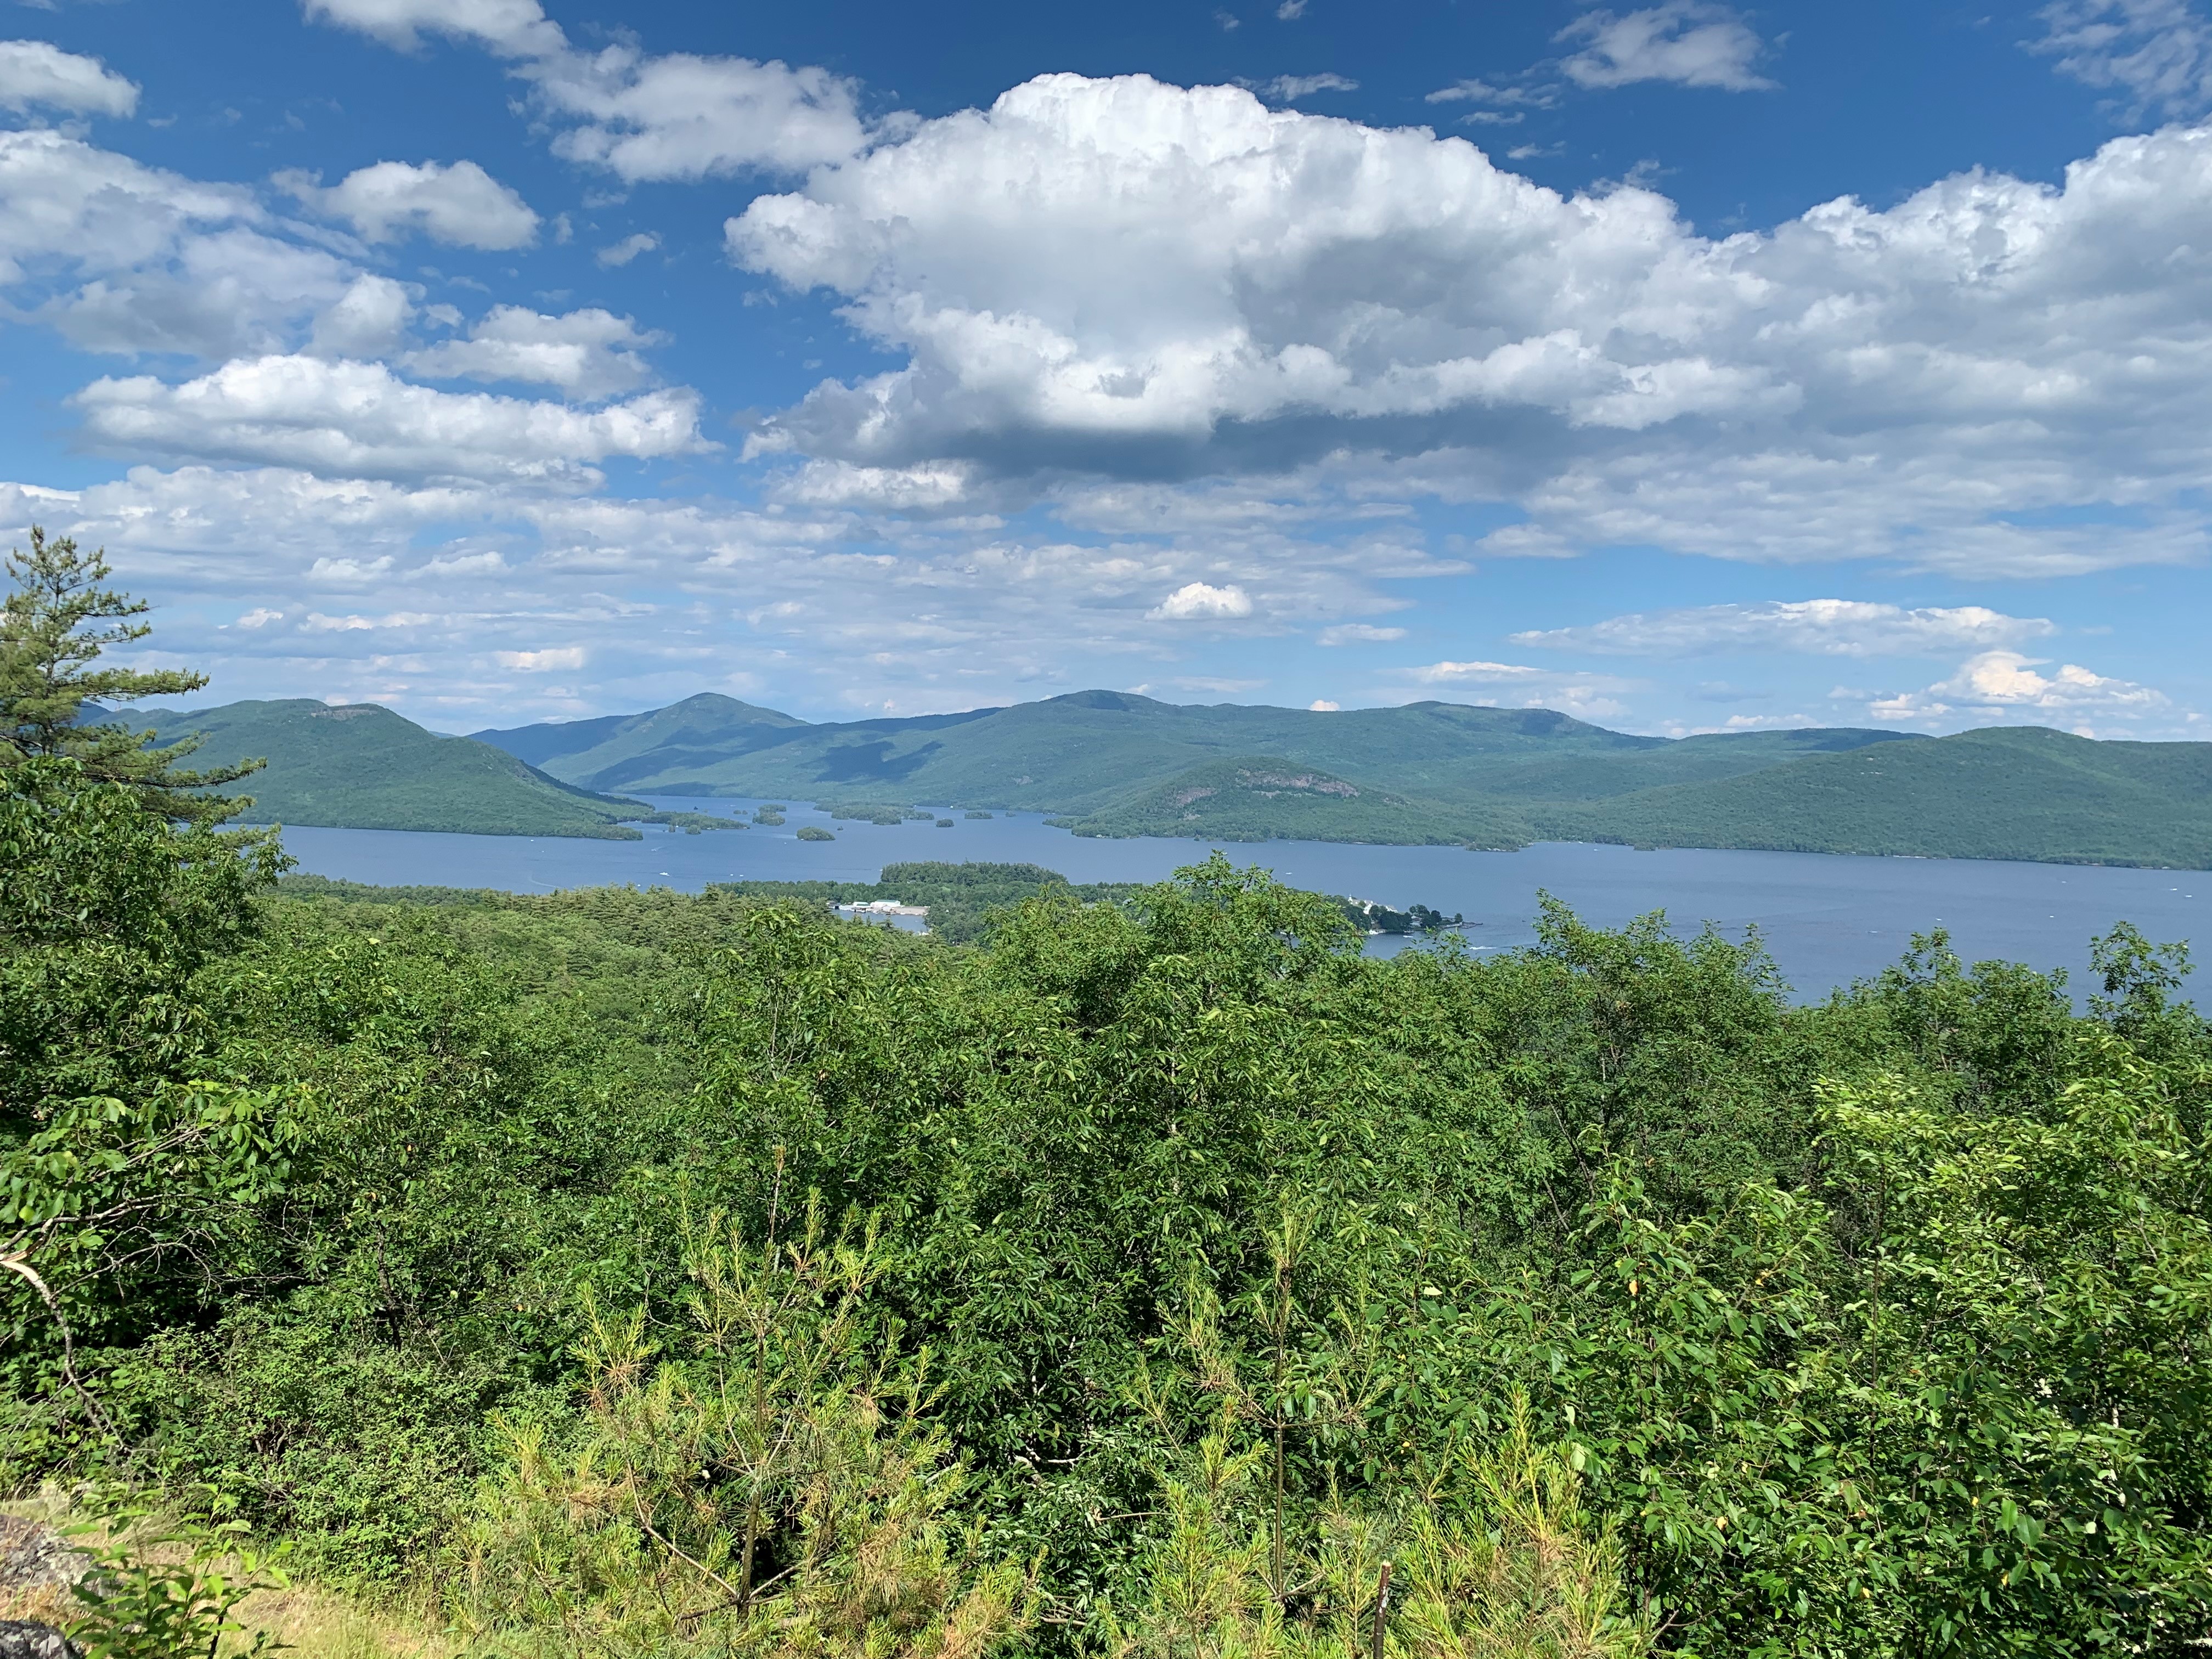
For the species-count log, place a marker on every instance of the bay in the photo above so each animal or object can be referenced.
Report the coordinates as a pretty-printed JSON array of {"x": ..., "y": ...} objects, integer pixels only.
[{"x": 1829, "y": 920}]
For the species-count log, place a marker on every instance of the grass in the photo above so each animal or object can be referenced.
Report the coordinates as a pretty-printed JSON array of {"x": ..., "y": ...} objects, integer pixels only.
[{"x": 316, "y": 1621}]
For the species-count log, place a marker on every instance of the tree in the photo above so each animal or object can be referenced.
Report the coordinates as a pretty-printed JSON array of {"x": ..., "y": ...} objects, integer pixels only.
[{"x": 51, "y": 635}]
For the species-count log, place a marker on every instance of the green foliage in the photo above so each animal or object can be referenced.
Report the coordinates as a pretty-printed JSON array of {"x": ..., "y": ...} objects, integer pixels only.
[
  {"x": 1498, "y": 1560},
  {"x": 1137, "y": 1279},
  {"x": 753, "y": 1493},
  {"x": 140, "y": 1608},
  {"x": 50, "y": 637},
  {"x": 105, "y": 915},
  {"x": 1371, "y": 917}
]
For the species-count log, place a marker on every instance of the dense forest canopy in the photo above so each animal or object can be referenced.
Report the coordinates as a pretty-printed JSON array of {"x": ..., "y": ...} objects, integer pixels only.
[{"x": 633, "y": 1272}]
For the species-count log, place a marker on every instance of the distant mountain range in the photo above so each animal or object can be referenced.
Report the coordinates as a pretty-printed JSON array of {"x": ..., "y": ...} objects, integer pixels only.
[{"x": 1109, "y": 763}]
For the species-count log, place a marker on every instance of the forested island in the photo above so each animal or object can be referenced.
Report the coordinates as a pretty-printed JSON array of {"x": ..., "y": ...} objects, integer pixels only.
[{"x": 1145, "y": 1274}]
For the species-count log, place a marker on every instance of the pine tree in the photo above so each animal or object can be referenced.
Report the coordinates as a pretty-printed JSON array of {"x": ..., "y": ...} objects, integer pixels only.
[{"x": 54, "y": 624}]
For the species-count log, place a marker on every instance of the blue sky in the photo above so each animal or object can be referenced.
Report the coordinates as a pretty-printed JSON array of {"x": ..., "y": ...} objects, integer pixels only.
[{"x": 1684, "y": 366}]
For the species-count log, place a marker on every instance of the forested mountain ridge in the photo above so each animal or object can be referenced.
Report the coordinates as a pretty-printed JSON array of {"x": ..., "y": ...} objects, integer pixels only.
[
  {"x": 1114, "y": 763},
  {"x": 2002, "y": 793},
  {"x": 706, "y": 723},
  {"x": 1108, "y": 764},
  {"x": 360, "y": 766},
  {"x": 1091, "y": 748}
]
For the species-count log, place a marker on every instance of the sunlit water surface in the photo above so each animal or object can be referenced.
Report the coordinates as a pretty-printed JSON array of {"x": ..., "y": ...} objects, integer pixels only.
[{"x": 1827, "y": 920}]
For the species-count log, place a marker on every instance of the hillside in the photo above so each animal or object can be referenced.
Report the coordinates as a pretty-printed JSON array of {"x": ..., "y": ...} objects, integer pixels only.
[
  {"x": 1093, "y": 751},
  {"x": 1117, "y": 764},
  {"x": 1257, "y": 798},
  {"x": 1110, "y": 763},
  {"x": 362, "y": 767},
  {"x": 699, "y": 731},
  {"x": 2018, "y": 792}
]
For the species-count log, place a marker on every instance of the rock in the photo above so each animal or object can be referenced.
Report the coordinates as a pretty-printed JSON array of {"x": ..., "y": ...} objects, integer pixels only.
[
  {"x": 25, "y": 1639},
  {"x": 34, "y": 1557}
]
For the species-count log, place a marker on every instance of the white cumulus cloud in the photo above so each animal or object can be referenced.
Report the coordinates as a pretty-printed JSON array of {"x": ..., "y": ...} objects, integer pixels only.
[
  {"x": 1686, "y": 41},
  {"x": 359, "y": 420},
  {"x": 539, "y": 662},
  {"x": 38, "y": 74},
  {"x": 1358, "y": 634},
  {"x": 1834, "y": 628},
  {"x": 682, "y": 116},
  {"x": 1123, "y": 279},
  {"x": 2004, "y": 687},
  {"x": 121, "y": 256},
  {"x": 638, "y": 114},
  {"x": 1197, "y": 599},
  {"x": 460, "y": 203},
  {"x": 369, "y": 318},
  {"x": 1102, "y": 264},
  {"x": 589, "y": 353}
]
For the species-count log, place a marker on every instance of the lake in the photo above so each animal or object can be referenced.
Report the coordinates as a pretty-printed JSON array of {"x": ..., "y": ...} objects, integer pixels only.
[{"x": 1829, "y": 920}]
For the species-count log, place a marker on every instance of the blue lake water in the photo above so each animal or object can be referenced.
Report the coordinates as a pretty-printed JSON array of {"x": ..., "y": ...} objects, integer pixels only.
[{"x": 1827, "y": 920}]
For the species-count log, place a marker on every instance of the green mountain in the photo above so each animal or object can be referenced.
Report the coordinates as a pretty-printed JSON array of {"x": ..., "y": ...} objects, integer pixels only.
[
  {"x": 1112, "y": 764},
  {"x": 362, "y": 767},
  {"x": 1091, "y": 751},
  {"x": 696, "y": 731},
  {"x": 1115, "y": 764},
  {"x": 2002, "y": 793}
]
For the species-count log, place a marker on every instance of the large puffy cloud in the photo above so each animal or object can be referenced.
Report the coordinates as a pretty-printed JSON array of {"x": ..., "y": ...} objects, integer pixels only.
[
  {"x": 1100, "y": 266},
  {"x": 461, "y": 204},
  {"x": 1833, "y": 627},
  {"x": 37, "y": 73},
  {"x": 640, "y": 115},
  {"x": 66, "y": 204},
  {"x": 368, "y": 319},
  {"x": 1126, "y": 279},
  {"x": 1194, "y": 601},
  {"x": 2004, "y": 687},
  {"x": 122, "y": 256},
  {"x": 358, "y": 420},
  {"x": 589, "y": 353},
  {"x": 682, "y": 116}
]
